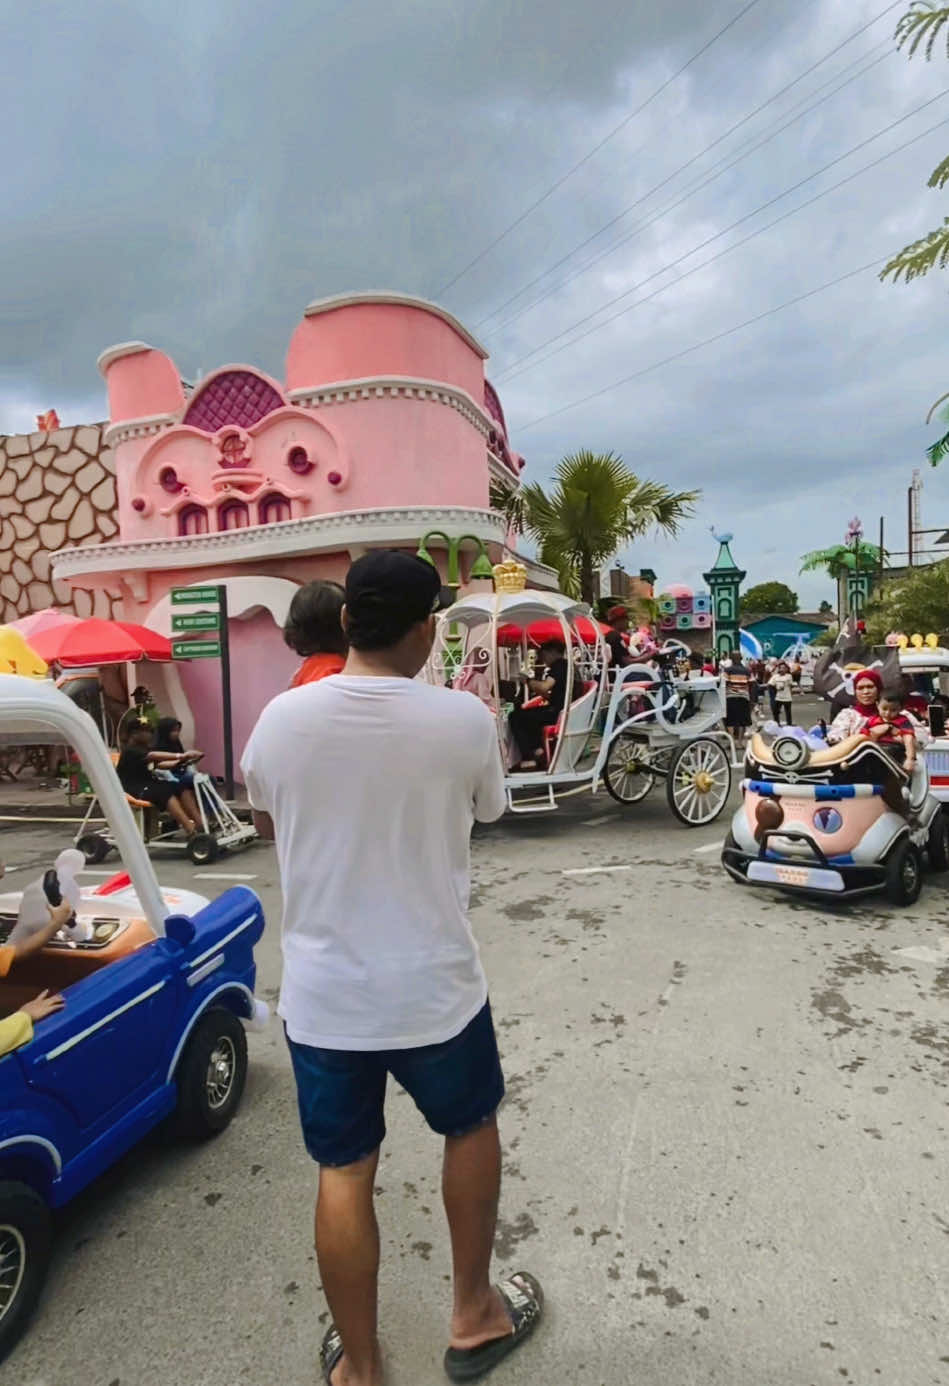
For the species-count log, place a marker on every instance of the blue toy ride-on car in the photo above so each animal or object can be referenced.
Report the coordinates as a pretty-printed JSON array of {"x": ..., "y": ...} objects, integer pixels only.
[{"x": 157, "y": 989}]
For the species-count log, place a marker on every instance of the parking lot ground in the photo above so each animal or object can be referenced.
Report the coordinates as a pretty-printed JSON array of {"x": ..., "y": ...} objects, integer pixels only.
[{"x": 725, "y": 1144}]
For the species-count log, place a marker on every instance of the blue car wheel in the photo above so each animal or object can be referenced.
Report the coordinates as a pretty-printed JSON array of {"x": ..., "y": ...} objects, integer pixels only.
[
  {"x": 211, "y": 1075},
  {"x": 25, "y": 1234}
]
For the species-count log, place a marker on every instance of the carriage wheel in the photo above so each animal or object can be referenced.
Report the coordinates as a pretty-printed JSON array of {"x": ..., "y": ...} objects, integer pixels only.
[
  {"x": 699, "y": 782},
  {"x": 627, "y": 775}
]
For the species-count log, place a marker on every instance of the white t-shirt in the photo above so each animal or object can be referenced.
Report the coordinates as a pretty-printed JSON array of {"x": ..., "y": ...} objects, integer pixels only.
[
  {"x": 781, "y": 683},
  {"x": 373, "y": 785}
]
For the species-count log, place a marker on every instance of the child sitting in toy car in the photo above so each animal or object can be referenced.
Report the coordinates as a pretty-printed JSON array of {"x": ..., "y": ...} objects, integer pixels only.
[
  {"x": 892, "y": 729},
  {"x": 17, "y": 1029}
]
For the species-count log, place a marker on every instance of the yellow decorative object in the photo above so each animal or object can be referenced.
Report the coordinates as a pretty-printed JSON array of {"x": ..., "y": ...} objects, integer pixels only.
[
  {"x": 932, "y": 641},
  {"x": 902, "y": 642},
  {"x": 509, "y": 576},
  {"x": 917, "y": 642},
  {"x": 16, "y": 656}
]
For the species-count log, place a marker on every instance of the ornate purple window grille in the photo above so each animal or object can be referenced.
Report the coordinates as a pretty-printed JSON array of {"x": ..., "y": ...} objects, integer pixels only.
[{"x": 241, "y": 398}]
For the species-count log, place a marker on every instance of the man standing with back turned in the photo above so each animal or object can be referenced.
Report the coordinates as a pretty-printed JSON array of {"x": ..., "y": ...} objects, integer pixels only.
[{"x": 370, "y": 782}]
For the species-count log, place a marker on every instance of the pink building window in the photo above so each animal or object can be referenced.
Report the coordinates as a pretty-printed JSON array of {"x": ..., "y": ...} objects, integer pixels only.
[
  {"x": 233, "y": 515},
  {"x": 192, "y": 520},
  {"x": 274, "y": 509}
]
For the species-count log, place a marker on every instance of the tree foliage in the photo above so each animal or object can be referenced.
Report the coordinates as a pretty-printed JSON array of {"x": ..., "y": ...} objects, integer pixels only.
[
  {"x": 767, "y": 597},
  {"x": 918, "y": 29},
  {"x": 916, "y": 603},
  {"x": 595, "y": 506}
]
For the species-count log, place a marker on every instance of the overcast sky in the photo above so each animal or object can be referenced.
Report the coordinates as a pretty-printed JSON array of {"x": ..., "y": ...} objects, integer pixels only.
[{"x": 193, "y": 174}]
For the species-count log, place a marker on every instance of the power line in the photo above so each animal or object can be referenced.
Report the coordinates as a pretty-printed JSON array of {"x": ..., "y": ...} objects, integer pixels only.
[
  {"x": 596, "y": 149},
  {"x": 517, "y": 367},
  {"x": 720, "y": 167},
  {"x": 708, "y": 341}
]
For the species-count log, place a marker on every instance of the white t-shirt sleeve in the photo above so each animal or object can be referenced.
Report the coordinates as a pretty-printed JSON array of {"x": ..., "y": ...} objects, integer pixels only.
[
  {"x": 490, "y": 798},
  {"x": 254, "y": 782}
]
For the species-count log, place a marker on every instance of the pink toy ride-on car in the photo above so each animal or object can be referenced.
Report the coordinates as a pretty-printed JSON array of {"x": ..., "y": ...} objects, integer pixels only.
[{"x": 839, "y": 821}]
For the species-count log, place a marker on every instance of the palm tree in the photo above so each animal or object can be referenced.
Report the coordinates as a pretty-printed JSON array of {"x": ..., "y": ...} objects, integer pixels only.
[
  {"x": 919, "y": 27},
  {"x": 839, "y": 560},
  {"x": 596, "y": 506}
]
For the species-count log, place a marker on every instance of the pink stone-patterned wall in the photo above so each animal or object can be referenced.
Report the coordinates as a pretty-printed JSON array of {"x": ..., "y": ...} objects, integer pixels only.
[{"x": 56, "y": 490}]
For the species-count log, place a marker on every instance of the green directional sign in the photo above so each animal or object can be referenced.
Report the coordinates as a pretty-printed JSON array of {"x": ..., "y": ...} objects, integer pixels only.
[
  {"x": 195, "y": 596},
  {"x": 196, "y": 649},
  {"x": 196, "y": 620}
]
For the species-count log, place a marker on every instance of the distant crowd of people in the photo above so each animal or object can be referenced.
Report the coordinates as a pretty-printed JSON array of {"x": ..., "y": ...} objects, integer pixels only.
[{"x": 746, "y": 684}]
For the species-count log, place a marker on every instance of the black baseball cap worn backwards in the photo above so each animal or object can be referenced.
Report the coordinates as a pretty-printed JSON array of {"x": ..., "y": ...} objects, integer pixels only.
[{"x": 387, "y": 582}]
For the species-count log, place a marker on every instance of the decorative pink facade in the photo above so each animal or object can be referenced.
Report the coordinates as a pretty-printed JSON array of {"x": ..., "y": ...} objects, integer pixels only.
[{"x": 383, "y": 430}]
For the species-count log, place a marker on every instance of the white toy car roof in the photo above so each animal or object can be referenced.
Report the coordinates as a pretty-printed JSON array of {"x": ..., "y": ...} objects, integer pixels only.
[
  {"x": 925, "y": 660},
  {"x": 518, "y": 608},
  {"x": 38, "y": 709}
]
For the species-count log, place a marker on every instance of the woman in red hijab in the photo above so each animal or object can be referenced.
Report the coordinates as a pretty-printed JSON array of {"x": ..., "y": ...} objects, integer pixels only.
[{"x": 867, "y": 688}]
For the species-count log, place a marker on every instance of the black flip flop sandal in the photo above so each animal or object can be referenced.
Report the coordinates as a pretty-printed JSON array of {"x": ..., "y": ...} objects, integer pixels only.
[
  {"x": 524, "y": 1299},
  {"x": 331, "y": 1351}
]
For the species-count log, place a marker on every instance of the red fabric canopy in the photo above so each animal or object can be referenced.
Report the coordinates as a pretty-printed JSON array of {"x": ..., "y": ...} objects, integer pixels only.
[
  {"x": 539, "y": 631},
  {"x": 100, "y": 642}
]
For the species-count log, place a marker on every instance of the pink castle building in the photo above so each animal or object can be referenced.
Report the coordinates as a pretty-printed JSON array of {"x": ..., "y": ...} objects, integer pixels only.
[{"x": 383, "y": 430}]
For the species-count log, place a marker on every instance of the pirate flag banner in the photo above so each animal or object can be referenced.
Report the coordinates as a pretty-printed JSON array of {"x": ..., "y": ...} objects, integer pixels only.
[{"x": 834, "y": 671}]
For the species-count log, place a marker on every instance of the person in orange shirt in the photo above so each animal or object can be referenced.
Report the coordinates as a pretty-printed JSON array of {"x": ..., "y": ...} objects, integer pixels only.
[
  {"x": 17, "y": 1029},
  {"x": 315, "y": 631}
]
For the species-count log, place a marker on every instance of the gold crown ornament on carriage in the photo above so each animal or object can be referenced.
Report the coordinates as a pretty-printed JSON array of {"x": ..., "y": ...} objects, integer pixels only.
[{"x": 509, "y": 576}]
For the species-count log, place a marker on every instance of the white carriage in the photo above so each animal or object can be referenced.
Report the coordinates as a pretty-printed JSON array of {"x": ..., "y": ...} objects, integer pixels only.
[
  {"x": 624, "y": 728},
  {"x": 927, "y": 666}
]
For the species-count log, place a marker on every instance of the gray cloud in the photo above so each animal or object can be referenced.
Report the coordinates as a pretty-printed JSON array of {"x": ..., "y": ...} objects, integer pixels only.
[{"x": 194, "y": 175}]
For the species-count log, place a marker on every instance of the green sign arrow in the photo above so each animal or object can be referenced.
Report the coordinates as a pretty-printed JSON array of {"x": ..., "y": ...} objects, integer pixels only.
[
  {"x": 194, "y": 596},
  {"x": 197, "y": 620},
  {"x": 196, "y": 649}
]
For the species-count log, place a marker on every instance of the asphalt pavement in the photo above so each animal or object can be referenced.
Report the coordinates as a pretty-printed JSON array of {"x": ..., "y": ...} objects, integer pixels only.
[{"x": 725, "y": 1144}]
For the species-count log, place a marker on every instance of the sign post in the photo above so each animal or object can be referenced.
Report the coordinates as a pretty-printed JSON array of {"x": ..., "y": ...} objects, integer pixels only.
[
  {"x": 187, "y": 624},
  {"x": 226, "y": 696}
]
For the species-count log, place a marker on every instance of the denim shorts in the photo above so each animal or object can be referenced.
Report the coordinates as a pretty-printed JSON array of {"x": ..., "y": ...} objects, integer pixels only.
[{"x": 457, "y": 1086}]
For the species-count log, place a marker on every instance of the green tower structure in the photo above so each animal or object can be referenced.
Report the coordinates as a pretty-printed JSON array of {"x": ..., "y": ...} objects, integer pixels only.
[{"x": 724, "y": 579}]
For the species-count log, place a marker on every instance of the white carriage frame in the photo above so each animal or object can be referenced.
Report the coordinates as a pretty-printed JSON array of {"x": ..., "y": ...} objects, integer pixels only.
[
  {"x": 486, "y": 612},
  {"x": 936, "y": 751}
]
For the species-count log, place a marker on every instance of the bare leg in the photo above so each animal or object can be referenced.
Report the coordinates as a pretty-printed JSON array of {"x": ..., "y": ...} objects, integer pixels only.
[
  {"x": 176, "y": 809},
  {"x": 347, "y": 1249},
  {"x": 190, "y": 804},
  {"x": 471, "y": 1185}
]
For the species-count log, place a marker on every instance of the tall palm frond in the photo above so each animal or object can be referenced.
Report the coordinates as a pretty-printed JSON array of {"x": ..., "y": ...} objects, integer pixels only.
[
  {"x": 919, "y": 28},
  {"x": 938, "y": 450},
  {"x": 917, "y": 259},
  {"x": 922, "y": 23}
]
